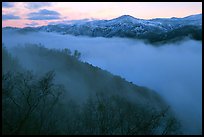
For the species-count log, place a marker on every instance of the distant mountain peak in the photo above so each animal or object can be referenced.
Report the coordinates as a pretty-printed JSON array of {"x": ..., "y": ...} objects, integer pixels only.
[
  {"x": 195, "y": 17},
  {"x": 125, "y": 17}
]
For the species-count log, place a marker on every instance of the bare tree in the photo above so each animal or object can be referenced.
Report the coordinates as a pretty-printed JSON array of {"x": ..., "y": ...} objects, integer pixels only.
[{"x": 30, "y": 98}]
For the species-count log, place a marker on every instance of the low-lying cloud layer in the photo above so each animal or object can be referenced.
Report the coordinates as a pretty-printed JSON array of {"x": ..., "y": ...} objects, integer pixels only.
[{"x": 173, "y": 70}]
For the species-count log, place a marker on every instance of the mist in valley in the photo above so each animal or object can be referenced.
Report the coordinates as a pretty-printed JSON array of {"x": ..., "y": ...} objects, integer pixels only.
[{"x": 173, "y": 70}]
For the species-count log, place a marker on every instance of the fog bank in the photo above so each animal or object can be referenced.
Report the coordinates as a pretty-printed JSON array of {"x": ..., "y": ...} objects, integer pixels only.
[{"x": 173, "y": 70}]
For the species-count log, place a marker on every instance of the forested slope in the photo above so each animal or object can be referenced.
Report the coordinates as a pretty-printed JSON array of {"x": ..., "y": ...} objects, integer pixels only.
[{"x": 47, "y": 91}]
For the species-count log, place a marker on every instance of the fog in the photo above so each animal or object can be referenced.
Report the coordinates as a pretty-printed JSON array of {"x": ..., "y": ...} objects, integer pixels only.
[{"x": 173, "y": 70}]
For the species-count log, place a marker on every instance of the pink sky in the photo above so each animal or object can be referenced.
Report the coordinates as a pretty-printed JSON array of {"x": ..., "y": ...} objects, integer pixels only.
[{"x": 96, "y": 10}]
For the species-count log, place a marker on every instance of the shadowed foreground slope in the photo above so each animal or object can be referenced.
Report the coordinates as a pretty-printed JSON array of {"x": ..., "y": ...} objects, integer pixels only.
[{"x": 53, "y": 92}]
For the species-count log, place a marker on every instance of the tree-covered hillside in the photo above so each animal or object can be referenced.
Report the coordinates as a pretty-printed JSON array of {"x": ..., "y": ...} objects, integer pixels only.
[{"x": 48, "y": 91}]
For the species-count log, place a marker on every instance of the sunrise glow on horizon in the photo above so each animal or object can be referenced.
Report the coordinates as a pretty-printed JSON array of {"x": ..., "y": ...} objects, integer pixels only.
[{"x": 29, "y": 14}]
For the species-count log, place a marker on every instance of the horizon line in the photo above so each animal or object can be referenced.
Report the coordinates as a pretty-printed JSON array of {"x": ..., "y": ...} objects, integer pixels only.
[{"x": 106, "y": 19}]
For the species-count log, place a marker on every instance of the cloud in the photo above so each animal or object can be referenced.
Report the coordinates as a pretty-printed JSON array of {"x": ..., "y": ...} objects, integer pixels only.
[
  {"x": 44, "y": 15},
  {"x": 36, "y": 5},
  {"x": 7, "y": 4},
  {"x": 9, "y": 17},
  {"x": 32, "y": 24}
]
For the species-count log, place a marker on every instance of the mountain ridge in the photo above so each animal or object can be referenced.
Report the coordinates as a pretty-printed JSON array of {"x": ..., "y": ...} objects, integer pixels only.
[{"x": 151, "y": 30}]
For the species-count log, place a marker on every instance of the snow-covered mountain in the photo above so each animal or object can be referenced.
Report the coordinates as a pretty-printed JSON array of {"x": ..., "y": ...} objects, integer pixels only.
[
  {"x": 173, "y": 23},
  {"x": 153, "y": 30}
]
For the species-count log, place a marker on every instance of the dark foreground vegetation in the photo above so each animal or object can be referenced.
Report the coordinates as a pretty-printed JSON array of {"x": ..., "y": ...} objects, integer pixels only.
[{"x": 49, "y": 101}]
